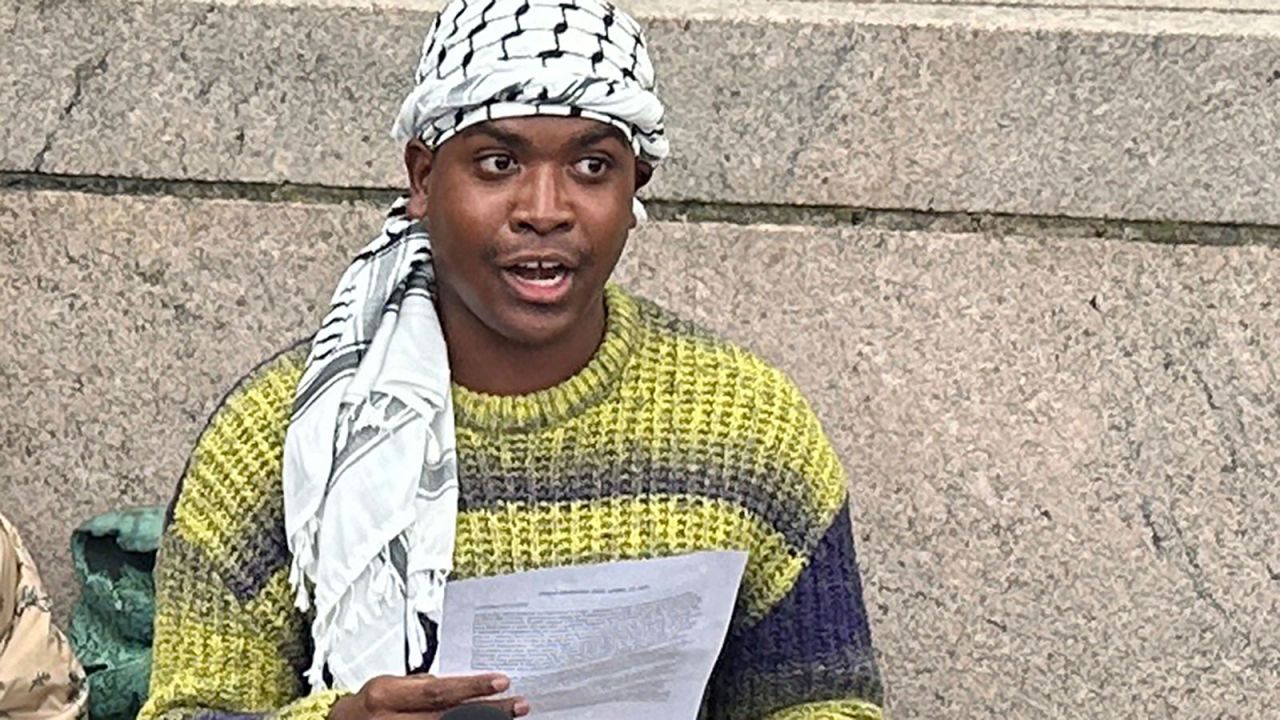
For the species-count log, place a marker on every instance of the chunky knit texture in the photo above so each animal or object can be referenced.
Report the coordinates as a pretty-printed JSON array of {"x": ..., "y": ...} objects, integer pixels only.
[{"x": 670, "y": 441}]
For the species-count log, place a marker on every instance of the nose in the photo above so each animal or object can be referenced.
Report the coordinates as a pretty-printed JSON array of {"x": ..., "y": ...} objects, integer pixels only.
[{"x": 542, "y": 204}]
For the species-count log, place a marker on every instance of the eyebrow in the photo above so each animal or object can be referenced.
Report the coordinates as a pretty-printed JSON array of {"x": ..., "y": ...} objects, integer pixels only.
[
  {"x": 595, "y": 135},
  {"x": 509, "y": 139}
]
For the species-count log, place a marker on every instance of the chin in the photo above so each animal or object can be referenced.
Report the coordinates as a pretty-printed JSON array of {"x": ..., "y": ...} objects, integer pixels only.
[{"x": 532, "y": 326}]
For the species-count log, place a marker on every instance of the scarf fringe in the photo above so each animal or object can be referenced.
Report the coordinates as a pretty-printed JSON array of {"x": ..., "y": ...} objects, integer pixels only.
[
  {"x": 302, "y": 569},
  {"x": 349, "y": 613},
  {"x": 426, "y": 598}
]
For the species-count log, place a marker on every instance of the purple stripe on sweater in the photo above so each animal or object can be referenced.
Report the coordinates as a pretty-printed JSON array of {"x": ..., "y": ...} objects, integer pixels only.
[
  {"x": 262, "y": 552},
  {"x": 822, "y": 618}
]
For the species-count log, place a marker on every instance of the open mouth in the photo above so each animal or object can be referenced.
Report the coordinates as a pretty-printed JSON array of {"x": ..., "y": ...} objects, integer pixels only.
[
  {"x": 540, "y": 273},
  {"x": 539, "y": 282}
]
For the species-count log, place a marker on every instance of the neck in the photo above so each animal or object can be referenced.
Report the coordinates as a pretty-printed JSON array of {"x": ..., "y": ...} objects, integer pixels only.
[{"x": 483, "y": 361}]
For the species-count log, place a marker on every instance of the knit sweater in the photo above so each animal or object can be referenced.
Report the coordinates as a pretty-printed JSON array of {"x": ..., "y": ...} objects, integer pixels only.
[{"x": 669, "y": 441}]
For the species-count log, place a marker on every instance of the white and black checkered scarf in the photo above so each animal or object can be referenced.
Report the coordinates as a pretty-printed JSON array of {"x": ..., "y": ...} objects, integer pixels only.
[{"x": 370, "y": 471}]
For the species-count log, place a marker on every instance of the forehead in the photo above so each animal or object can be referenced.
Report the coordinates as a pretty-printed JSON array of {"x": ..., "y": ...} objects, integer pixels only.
[{"x": 545, "y": 132}]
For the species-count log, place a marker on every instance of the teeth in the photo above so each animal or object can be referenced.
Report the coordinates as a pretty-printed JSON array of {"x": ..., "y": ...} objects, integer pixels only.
[{"x": 540, "y": 273}]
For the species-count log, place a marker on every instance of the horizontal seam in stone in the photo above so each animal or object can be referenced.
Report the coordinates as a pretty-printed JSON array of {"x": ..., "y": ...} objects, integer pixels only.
[
  {"x": 1133, "y": 7},
  {"x": 1171, "y": 232}
]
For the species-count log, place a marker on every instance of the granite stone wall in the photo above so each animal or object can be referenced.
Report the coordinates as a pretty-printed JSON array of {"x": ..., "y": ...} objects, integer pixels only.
[{"x": 1022, "y": 257}]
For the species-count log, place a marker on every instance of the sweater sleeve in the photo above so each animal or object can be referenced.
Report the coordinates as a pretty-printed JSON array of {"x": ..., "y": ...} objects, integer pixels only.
[
  {"x": 810, "y": 657},
  {"x": 805, "y": 653},
  {"x": 228, "y": 641}
]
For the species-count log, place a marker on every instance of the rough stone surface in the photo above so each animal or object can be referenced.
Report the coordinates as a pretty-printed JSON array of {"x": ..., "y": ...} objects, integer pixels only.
[
  {"x": 1258, "y": 6},
  {"x": 128, "y": 319},
  {"x": 49, "y": 67},
  {"x": 1062, "y": 453},
  {"x": 1137, "y": 115},
  {"x": 1062, "y": 450}
]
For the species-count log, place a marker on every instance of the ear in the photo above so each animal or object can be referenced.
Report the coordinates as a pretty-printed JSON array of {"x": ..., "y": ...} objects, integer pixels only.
[
  {"x": 644, "y": 172},
  {"x": 417, "y": 162}
]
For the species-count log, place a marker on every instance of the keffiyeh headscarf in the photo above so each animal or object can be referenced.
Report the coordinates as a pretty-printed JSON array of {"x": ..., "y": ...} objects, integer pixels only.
[
  {"x": 492, "y": 59},
  {"x": 370, "y": 470}
]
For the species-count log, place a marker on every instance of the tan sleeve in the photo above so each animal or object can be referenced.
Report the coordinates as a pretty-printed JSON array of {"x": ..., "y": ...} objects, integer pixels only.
[{"x": 40, "y": 678}]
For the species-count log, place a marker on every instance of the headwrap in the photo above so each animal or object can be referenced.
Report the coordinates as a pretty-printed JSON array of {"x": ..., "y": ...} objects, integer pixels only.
[
  {"x": 486, "y": 60},
  {"x": 370, "y": 466}
]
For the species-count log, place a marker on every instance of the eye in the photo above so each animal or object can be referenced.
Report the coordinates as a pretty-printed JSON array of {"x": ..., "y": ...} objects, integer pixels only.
[
  {"x": 497, "y": 164},
  {"x": 592, "y": 167}
]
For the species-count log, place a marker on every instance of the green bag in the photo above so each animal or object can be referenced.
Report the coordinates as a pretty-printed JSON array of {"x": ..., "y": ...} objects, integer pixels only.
[{"x": 111, "y": 626}]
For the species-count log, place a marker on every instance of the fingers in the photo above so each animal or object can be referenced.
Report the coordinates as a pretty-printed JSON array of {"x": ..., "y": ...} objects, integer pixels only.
[
  {"x": 446, "y": 693},
  {"x": 507, "y": 707},
  {"x": 427, "y": 693},
  {"x": 514, "y": 707}
]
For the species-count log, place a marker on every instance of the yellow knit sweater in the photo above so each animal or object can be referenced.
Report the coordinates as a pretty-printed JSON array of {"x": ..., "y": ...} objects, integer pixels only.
[{"x": 669, "y": 441}]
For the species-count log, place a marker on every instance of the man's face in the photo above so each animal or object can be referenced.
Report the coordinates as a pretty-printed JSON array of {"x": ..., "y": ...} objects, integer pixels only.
[{"x": 528, "y": 217}]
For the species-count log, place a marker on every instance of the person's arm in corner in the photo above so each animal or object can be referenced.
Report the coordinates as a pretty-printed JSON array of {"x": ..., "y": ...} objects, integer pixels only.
[
  {"x": 805, "y": 651},
  {"x": 228, "y": 641}
]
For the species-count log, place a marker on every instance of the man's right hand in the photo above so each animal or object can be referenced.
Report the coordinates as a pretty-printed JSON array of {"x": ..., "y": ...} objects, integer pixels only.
[{"x": 424, "y": 697}]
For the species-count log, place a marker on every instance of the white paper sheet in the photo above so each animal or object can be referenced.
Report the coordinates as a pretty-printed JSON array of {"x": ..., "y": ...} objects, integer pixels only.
[{"x": 631, "y": 640}]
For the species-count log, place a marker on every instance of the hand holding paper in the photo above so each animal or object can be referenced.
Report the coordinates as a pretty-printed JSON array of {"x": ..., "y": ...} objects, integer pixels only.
[
  {"x": 427, "y": 698},
  {"x": 631, "y": 640}
]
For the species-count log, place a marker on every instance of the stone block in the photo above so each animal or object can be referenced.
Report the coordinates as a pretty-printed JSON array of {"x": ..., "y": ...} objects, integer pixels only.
[
  {"x": 129, "y": 318},
  {"x": 1061, "y": 453},
  {"x": 1060, "y": 449},
  {"x": 1254, "y": 6},
  {"x": 1112, "y": 112}
]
